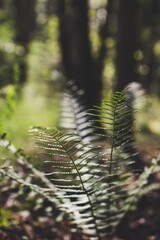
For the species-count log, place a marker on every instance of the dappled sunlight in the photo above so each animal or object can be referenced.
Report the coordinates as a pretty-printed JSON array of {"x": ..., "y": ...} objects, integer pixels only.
[{"x": 33, "y": 108}]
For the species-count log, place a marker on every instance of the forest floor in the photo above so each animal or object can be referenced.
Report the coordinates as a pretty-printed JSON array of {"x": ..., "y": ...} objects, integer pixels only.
[{"x": 23, "y": 216}]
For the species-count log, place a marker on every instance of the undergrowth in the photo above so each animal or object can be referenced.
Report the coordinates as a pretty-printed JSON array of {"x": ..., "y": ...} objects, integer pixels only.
[{"x": 89, "y": 172}]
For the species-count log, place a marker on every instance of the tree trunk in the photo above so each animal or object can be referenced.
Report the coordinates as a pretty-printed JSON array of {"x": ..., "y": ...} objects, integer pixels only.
[
  {"x": 1, "y": 4},
  {"x": 151, "y": 20},
  {"x": 24, "y": 12},
  {"x": 127, "y": 43},
  {"x": 78, "y": 62},
  {"x": 24, "y": 21}
]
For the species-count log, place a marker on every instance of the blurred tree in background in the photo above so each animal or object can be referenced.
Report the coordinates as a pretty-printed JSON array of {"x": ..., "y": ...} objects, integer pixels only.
[
  {"x": 79, "y": 64},
  {"x": 150, "y": 41},
  {"x": 24, "y": 16},
  {"x": 93, "y": 36},
  {"x": 129, "y": 27}
]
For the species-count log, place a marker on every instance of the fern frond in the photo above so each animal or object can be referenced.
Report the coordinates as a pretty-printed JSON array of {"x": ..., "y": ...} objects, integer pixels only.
[
  {"x": 96, "y": 174},
  {"x": 117, "y": 121},
  {"x": 85, "y": 180},
  {"x": 22, "y": 160},
  {"x": 75, "y": 114},
  {"x": 75, "y": 182}
]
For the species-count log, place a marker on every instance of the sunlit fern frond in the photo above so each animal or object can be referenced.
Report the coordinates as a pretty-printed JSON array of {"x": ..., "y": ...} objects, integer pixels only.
[
  {"x": 117, "y": 121},
  {"x": 91, "y": 177},
  {"x": 75, "y": 172}
]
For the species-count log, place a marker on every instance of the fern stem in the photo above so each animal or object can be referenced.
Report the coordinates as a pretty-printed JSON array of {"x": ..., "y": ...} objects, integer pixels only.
[
  {"x": 112, "y": 144},
  {"x": 110, "y": 164},
  {"x": 84, "y": 189}
]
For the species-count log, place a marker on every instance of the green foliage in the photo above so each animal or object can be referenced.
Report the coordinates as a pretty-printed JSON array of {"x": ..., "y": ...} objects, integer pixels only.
[
  {"x": 8, "y": 103},
  {"x": 10, "y": 52},
  {"x": 5, "y": 218},
  {"x": 41, "y": 66},
  {"x": 8, "y": 98},
  {"x": 91, "y": 181}
]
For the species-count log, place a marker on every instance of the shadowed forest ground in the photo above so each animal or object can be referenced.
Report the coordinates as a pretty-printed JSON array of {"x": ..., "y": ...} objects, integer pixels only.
[{"x": 26, "y": 216}]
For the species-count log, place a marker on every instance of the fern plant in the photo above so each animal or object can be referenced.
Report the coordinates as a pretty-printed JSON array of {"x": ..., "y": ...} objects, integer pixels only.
[
  {"x": 89, "y": 182},
  {"x": 90, "y": 179}
]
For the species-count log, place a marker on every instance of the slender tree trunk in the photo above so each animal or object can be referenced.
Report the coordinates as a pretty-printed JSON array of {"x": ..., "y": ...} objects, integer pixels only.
[
  {"x": 151, "y": 20},
  {"x": 24, "y": 12},
  {"x": 1, "y": 4},
  {"x": 24, "y": 21},
  {"x": 127, "y": 43},
  {"x": 78, "y": 62}
]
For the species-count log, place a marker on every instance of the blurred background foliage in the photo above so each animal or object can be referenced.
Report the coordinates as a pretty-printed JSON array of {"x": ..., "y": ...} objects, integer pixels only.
[{"x": 45, "y": 42}]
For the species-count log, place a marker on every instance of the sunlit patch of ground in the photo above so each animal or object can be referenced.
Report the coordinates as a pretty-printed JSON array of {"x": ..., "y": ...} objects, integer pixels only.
[{"x": 34, "y": 108}]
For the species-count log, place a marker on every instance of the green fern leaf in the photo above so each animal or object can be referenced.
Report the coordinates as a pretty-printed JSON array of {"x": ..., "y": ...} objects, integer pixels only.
[{"x": 72, "y": 177}]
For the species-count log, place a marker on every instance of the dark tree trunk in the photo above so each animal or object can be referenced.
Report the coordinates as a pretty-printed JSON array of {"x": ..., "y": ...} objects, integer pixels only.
[
  {"x": 151, "y": 20},
  {"x": 78, "y": 62},
  {"x": 1, "y": 4},
  {"x": 24, "y": 12},
  {"x": 127, "y": 43},
  {"x": 105, "y": 31},
  {"x": 24, "y": 21},
  {"x": 50, "y": 7}
]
